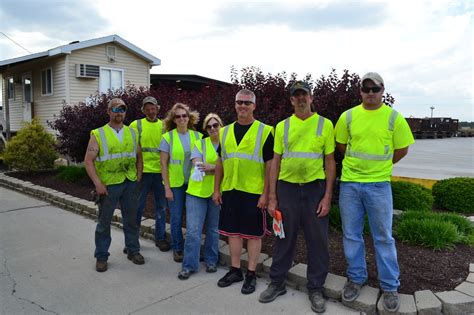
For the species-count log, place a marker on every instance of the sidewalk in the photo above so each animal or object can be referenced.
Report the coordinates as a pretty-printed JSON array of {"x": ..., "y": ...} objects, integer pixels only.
[{"x": 47, "y": 266}]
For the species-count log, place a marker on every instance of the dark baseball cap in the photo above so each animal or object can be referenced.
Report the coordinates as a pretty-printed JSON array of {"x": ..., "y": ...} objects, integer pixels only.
[{"x": 300, "y": 85}]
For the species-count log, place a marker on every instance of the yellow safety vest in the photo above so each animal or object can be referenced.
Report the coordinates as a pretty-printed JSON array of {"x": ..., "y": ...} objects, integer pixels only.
[
  {"x": 176, "y": 155},
  {"x": 116, "y": 160},
  {"x": 149, "y": 136},
  {"x": 205, "y": 188},
  {"x": 369, "y": 154},
  {"x": 303, "y": 149},
  {"x": 244, "y": 168}
]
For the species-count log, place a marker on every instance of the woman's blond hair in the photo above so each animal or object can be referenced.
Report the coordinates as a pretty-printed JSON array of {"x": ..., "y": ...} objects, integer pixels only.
[
  {"x": 208, "y": 118},
  {"x": 169, "y": 123}
]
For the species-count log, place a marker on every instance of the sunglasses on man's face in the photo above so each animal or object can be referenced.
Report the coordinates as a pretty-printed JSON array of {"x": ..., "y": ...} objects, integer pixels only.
[
  {"x": 213, "y": 126},
  {"x": 247, "y": 103},
  {"x": 367, "y": 89},
  {"x": 119, "y": 109},
  {"x": 180, "y": 116}
]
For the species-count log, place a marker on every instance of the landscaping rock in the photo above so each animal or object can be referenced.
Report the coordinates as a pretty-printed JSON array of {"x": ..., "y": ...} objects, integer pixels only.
[
  {"x": 455, "y": 302},
  {"x": 147, "y": 225},
  {"x": 466, "y": 288},
  {"x": 334, "y": 285},
  {"x": 266, "y": 265},
  {"x": 427, "y": 303},
  {"x": 224, "y": 255},
  {"x": 366, "y": 302},
  {"x": 470, "y": 278},
  {"x": 407, "y": 305},
  {"x": 297, "y": 275}
]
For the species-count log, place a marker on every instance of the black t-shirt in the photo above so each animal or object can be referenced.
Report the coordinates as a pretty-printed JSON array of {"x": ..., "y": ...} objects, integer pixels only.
[{"x": 241, "y": 130}]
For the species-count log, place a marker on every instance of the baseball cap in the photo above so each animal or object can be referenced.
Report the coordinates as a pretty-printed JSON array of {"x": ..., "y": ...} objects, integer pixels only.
[
  {"x": 374, "y": 77},
  {"x": 149, "y": 99},
  {"x": 300, "y": 85},
  {"x": 116, "y": 102}
]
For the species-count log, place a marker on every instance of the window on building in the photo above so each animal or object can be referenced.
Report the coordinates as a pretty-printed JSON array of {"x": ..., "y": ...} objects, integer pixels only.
[
  {"x": 10, "y": 88},
  {"x": 110, "y": 79},
  {"x": 47, "y": 82}
]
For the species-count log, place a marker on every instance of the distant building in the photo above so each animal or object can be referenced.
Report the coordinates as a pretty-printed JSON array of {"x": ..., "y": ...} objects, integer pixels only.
[
  {"x": 37, "y": 85},
  {"x": 185, "y": 82}
]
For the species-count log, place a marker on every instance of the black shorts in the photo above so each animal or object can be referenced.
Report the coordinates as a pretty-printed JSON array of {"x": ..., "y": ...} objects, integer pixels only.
[{"x": 240, "y": 216}]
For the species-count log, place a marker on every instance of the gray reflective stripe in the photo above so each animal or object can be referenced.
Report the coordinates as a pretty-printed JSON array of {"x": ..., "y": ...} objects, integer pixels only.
[
  {"x": 175, "y": 161},
  {"x": 106, "y": 156},
  {"x": 154, "y": 150},
  {"x": 139, "y": 128},
  {"x": 224, "y": 137},
  {"x": 196, "y": 136},
  {"x": 306, "y": 155},
  {"x": 286, "y": 132},
  {"x": 303, "y": 155},
  {"x": 391, "y": 122},
  {"x": 244, "y": 156},
  {"x": 348, "y": 123},
  {"x": 319, "y": 132},
  {"x": 259, "y": 141},
  {"x": 203, "y": 144},
  {"x": 371, "y": 157}
]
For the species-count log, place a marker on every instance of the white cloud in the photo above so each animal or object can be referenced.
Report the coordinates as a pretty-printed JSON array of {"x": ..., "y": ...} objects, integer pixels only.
[{"x": 423, "y": 49}]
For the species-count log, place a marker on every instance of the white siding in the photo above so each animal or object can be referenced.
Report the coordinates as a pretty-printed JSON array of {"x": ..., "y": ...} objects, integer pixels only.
[
  {"x": 135, "y": 70},
  {"x": 44, "y": 107}
]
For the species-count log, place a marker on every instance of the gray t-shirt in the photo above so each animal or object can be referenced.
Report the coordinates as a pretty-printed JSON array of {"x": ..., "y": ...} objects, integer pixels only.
[
  {"x": 197, "y": 154},
  {"x": 185, "y": 141}
]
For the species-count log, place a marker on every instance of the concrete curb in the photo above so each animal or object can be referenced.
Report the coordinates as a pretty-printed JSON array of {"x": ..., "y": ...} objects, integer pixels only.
[{"x": 422, "y": 302}]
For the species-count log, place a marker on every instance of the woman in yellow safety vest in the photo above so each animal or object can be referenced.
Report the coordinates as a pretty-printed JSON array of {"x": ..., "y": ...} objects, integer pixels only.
[
  {"x": 199, "y": 205},
  {"x": 175, "y": 152}
]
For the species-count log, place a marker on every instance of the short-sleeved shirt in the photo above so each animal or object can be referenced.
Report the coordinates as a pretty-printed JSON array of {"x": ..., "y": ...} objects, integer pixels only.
[
  {"x": 185, "y": 141},
  {"x": 303, "y": 138},
  {"x": 370, "y": 135},
  {"x": 239, "y": 132}
]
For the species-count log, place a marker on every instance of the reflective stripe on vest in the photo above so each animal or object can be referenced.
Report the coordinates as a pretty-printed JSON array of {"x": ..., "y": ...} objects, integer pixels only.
[
  {"x": 203, "y": 145},
  {"x": 106, "y": 156},
  {"x": 305, "y": 155},
  {"x": 196, "y": 135},
  {"x": 244, "y": 156},
  {"x": 140, "y": 129},
  {"x": 366, "y": 156}
]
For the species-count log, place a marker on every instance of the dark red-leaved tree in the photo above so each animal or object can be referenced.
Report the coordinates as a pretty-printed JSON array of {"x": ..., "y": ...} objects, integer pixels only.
[{"x": 332, "y": 96}]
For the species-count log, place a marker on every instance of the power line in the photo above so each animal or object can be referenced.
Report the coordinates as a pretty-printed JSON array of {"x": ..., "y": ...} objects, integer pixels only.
[{"x": 15, "y": 42}]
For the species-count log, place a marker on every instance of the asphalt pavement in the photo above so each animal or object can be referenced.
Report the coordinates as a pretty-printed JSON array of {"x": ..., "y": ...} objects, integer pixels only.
[{"x": 47, "y": 267}]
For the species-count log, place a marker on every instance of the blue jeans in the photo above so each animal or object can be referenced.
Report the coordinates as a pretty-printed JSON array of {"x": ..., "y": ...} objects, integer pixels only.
[
  {"x": 199, "y": 210},
  {"x": 153, "y": 181},
  {"x": 125, "y": 195},
  {"x": 176, "y": 216},
  {"x": 375, "y": 199}
]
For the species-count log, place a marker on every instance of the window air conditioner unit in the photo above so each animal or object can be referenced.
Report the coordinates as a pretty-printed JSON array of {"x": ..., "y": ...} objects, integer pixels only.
[{"x": 87, "y": 71}]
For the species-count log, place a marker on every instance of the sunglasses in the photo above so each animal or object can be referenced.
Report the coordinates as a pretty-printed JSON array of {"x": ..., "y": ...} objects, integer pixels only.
[
  {"x": 374, "y": 89},
  {"x": 247, "y": 103},
  {"x": 180, "y": 116},
  {"x": 213, "y": 126},
  {"x": 119, "y": 109}
]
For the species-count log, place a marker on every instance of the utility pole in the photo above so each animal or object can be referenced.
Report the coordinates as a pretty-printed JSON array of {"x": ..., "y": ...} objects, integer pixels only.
[{"x": 432, "y": 107}]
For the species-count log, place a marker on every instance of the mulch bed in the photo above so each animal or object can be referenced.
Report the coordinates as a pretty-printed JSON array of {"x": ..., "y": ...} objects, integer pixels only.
[{"x": 421, "y": 268}]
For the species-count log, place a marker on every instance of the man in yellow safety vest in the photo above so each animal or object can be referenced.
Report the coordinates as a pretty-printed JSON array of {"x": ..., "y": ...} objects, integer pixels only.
[
  {"x": 114, "y": 163},
  {"x": 301, "y": 183},
  {"x": 246, "y": 149},
  {"x": 372, "y": 136},
  {"x": 149, "y": 131}
]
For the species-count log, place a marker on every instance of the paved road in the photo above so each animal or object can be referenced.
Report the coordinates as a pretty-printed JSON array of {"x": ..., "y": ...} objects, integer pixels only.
[
  {"x": 47, "y": 266},
  {"x": 438, "y": 159}
]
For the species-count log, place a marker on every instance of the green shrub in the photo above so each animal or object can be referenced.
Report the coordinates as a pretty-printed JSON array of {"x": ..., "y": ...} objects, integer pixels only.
[
  {"x": 31, "y": 149},
  {"x": 72, "y": 173},
  {"x": 335, "y": 220},
  {"x": 410, "y": 196},
  {"x": 428, "y": 232},
  {"x": 455, "y": 194},
  {"x": 463, "y": 226}
]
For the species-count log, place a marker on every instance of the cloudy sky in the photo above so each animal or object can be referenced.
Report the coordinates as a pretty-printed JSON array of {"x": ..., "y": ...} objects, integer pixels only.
[{"x": 423, "y": 49}]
